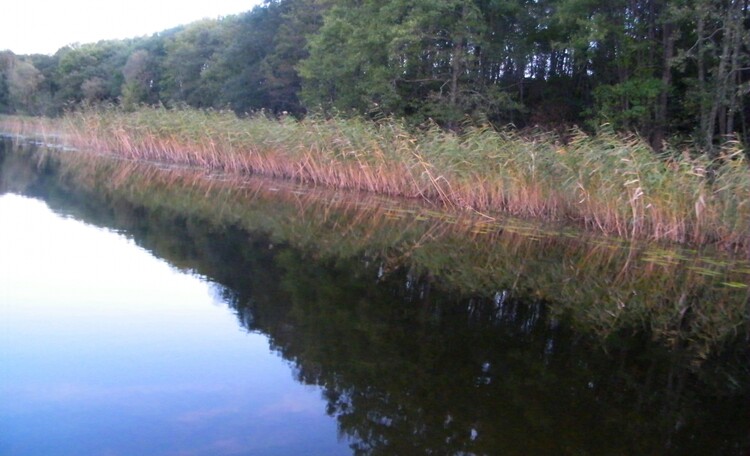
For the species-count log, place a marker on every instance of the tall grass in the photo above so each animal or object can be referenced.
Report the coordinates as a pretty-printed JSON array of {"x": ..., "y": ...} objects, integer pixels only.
[{"x": 608, "y": 183}]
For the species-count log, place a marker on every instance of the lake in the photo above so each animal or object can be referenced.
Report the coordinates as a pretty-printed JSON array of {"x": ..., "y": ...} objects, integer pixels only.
[{"x": 156, "y": 310}]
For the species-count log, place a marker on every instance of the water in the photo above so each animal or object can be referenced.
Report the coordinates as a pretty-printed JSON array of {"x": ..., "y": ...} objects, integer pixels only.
[
  {"x": 147, "y": 311},
  {"x": 109, "y": 350}
]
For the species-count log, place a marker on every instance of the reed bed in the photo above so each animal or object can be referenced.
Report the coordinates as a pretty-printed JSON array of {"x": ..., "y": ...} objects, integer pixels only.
[{"x": 607, "y": 182}]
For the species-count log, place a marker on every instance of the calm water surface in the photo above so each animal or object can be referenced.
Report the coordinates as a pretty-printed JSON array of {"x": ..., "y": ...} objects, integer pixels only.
[
  {"x": 106, "y": 349},
  {"x": 144, "y": 311}
]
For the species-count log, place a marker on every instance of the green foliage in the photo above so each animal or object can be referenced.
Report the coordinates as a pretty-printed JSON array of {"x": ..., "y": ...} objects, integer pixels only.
[
  {"x": 191, "y": 54},
  {"x": 628, "y": 106},
  {"x": 257, "y": 68},
  {"x": 97, "y": 64},
  {"x": 347, "y": 66},
  {"x": 652, "y": 67},
  {"x": 139, "y": 78},
  {"x": 418, "y": 59},
  {"x": 19, "y": 84}
]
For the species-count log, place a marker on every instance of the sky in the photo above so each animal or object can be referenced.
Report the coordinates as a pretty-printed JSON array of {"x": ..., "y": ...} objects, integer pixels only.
[{"x": 44, "y": 26}]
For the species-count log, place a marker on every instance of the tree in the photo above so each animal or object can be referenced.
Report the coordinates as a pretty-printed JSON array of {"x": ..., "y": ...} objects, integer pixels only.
[
  {"x": 94, "y": 90},
  {"x": 81, "y": 64},
  {"x": 46, "y": 90},
  {"x": 446, "y": 38},
  {"x": 138, "y": 79},
  {"x": 412, "y": 58},
  {"x": 191, "y": 54},
  {"x": 19, "y": 82},
  {"x": 347, "y": 67},
  {"x": 721, "y": 54},
  {"x": 298, "y": 20}
]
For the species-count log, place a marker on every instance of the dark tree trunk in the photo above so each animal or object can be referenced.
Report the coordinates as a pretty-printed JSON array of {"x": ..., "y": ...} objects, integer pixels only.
[{"x": 657, "y": 140}]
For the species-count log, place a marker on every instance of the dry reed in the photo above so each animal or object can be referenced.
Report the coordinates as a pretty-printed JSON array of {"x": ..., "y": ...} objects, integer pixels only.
[{"x": 607, "y": 182}]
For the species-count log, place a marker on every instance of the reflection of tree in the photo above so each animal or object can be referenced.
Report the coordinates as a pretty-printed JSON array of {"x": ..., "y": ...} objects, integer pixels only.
[
  {"x": 410, "y": 368},
  {"x": 477, "y": 375}
]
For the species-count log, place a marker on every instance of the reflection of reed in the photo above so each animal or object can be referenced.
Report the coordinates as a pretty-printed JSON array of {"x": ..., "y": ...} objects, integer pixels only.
[
  {"x": 606, "y": 285},
  {"x": 45, "y": 129}
]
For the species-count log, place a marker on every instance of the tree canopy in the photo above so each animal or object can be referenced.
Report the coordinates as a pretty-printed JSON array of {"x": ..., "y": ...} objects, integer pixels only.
[{"x": 660, "y": 69}]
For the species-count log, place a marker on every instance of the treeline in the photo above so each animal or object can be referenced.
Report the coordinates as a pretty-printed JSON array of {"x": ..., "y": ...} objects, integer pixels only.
[{"x": 664, "y": 69}]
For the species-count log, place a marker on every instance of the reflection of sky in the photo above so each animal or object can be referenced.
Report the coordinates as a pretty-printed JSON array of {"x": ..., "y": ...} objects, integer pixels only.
[{"x": 105, "y": 349}]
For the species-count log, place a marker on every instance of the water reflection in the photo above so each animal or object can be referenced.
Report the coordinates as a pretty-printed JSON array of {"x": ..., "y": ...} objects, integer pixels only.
[
  {"x": 106, "y": 350},
  {"x": 426, "y": 341}
]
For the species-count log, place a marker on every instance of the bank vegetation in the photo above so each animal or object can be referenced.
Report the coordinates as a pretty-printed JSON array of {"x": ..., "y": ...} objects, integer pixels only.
[{"x": 607, "y": 182}]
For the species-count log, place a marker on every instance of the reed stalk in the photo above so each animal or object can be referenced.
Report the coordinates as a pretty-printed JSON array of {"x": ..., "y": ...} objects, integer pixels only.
[{"x": 606, "y": 182}]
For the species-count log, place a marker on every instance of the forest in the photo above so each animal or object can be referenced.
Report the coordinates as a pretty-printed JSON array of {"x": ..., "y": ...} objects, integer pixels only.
[{"x": 670, "y": 71}]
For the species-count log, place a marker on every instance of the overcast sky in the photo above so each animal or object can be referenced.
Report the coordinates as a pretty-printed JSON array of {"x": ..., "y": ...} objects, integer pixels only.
[{"x": 44, "y": 26}]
